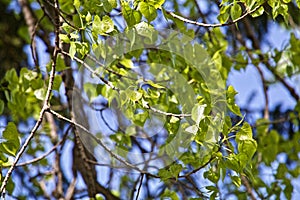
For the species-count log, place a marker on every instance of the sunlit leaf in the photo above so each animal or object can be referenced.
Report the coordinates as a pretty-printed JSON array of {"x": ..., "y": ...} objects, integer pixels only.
[
  {"x": 12, "y": 142},
  {"x": 235, "y": 11},
  {"x": 148, "y": 11}
]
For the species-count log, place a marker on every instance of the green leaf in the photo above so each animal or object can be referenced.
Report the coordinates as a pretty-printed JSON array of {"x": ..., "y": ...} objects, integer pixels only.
[
  {"x": 74, "y": 35},
  {"x": 231, "y": 101},
  {"x": 60, "y": 64},
  {"x": 251, "y": 3},
  {"x": 198, "y": 113},
  {"x": 289, "y": 71},
  {"x": 2, "y": 104},
  {"x": 107, "y": 6},
  {"x": 57, "y": 82},
  {"x": 259, "y": 12},
  {"x": 131, "y": 17},
  {"x": 148, "y": 11},
  {"x": 279, "y": 8},
  {"x": 102, "y": 27},
  {"x": 72, "y": 50},
  {"x": 37, "y": 83},
  {"x": 12, "y": 77},
  {"x": 174, "y": 119},
  {"x": 140, "y": 118},
  {"x": 232, "y": 163},
  {"x": 88, "y": 17},
  {"x": 99, "y": 197},
  {"x": 214, "y": 195},
  {"x": 241, "y": 61},
  {"x": 175, "y": 169},
  {"x": 134, "y": 95},
  {"x": 247, "y": 147},
  {"x": 12, "y": 142},
  {"x": 172, "y": 172},
  {"x": 131, "y": 130},
  {"x": 246, "y": 144},
  {"x": 262, "y": 126},
  {"x": 158, "y": 3},
  {"x": 155, "y": 85},
  {"x": 64, "y": 38},
  {"x": 144, "y": 29},
  {"x": 107, "y": 24},
  {"x": 127, "y": 63},
  {"x": 236, "y": 180},
  {"x": 212, "y": 175},
  {"x": 40, "y": 93},
  {"x": 3, "y": 161},
  {"x": 288, "y": 190},
  {"x": 82, "y": 48},
  {"x": 168, "y": 194},
  {"x": 211, "y": 188},
  {"x": 245, "y": 133},
  {"x": 164, "y": 174},
  {"x": 235, "y": 11},
  {"x": 30, "y": 75},
  {"x": 192, "y": 129},
  {"x": 217, "y": 58},
  {"x": 77, "y": 4},
  {"x": 281, "y": 171},
  {"x": 10, "y": 186},
  {"x": 91, "y": 91},
  {"x": 224, "y": 15},
  {"x": 113, "y": 3}
]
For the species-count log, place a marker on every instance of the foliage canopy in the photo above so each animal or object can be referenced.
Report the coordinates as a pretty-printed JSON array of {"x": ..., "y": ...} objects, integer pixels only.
[{"x": 130, "y": 99}]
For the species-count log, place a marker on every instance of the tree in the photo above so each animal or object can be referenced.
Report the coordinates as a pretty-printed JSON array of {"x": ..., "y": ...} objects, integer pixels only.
[{"x": 134, "y": 102}]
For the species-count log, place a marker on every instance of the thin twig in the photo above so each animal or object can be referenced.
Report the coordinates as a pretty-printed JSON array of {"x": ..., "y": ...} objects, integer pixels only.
[
  {"x": 109, "y": 70},
  {"x": 248, "y": 187},
  {"x": 33, "y": 44},
  {"x": 248, "y": 12},
  {"x": 195, "y": 187},
  {"x": 140, "y": 186},
  {"x": 30, "y": 20},
  {"x": 99, "y": 141},
  {"x": 292, "y": 91},
  {"x": 276, "y": 121},
  {"x": 104, "y": 165},
  {"x": 265, "y": 91},
  {"x": 106, "y": 123},
  {"x": 168, "y": 114},
  {"x": 71, "y": 189},
  {"x": 197, "y": 169},
  {"x": 60, "y": 12},
  {"x": 256, "y": 45},
  {"x": 43, "y": 186},
  {"x": 46, "y": 154},
  {"x": 92, "y": 71}
]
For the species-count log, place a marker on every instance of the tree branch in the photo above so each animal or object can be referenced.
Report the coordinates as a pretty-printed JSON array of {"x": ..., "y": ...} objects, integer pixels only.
[
  {"x": 140, "y": 186},
  {"x": 248, "y": 12},
  {"x": 248, "y": 187},
  {"x": 106, "y": 148},
  {"x": 45, "y": 107},
  {"x": 45, "y": 154}
]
